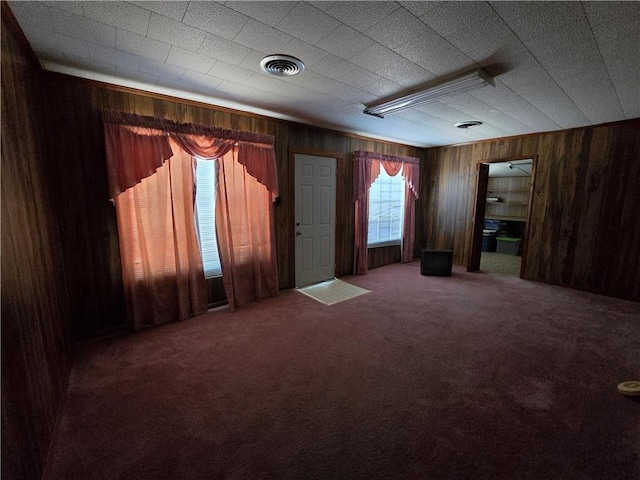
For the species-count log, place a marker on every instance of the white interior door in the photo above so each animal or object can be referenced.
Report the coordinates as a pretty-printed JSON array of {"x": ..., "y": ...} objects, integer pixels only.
[{"x": 315, "y": 217}]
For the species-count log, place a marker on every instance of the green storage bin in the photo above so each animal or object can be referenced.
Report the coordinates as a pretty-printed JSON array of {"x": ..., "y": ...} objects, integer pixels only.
[{"x": 508, "y": 245}]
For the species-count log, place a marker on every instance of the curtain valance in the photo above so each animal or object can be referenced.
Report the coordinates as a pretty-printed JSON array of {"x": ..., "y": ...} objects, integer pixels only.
[
  {"x": 138, "y": 145},
  {"x": 366, "y": 170},
  {"x": 164, "y": 125},
  {"x": 384, "y": 157}
]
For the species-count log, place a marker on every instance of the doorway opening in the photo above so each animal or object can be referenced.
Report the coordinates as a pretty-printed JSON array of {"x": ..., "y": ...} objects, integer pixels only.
[{"x": 503, "y": 199}]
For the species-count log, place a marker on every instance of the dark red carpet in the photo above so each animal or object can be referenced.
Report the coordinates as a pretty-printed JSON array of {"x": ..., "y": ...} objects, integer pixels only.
[{"x": 476, "y": 376}]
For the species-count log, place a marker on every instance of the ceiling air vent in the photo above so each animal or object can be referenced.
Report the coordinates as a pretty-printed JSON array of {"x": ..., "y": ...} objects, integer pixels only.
[
  {"x": 281, "y": 65},
  {"x": 469, "y": 124}
]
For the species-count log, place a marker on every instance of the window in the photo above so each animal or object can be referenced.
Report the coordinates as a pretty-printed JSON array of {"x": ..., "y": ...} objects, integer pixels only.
[
  {"x": 206, "y": 217},
  {"x": 386, "y": 210}
]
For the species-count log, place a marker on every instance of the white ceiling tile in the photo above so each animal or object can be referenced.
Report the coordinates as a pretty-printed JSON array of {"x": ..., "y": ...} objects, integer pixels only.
[
  {"x": 314, "y": 81},
  {"x": 321, "y": 5},
  {"x": 361, "y": 15},
  {"x": 630, "y": 100},
  {"x": 469, "y": 40},
  {"x": 488, "y": 130},
  {"x": 485, "y": 113},
  {"x": 113, "y": 56},
  {"x": 510, "y": 53},
  {"x": 345, "y": 42},
  {"x": 136, "y": 75},
  {"x": 305, "y": 52},
  {"x": 375, "y": 58},
  {"x": 450, "y": 17},
  {"x": 139, "y": 45},
  {"x": 200, "y": 81},
  {"x": 71, "y": 7},
  {"x": 171, "y": 83},
  {"x": 269, "y": 13},
  {"x": 558, "y": 107},
  {"x": 618, "y": 32},
  {"x": 301, "y": 93},
  {"x": 347, "y": 92},
  {"x": 237, "y": 91},
  {"x": 88, "y": 30},
  {"x": 172, "y": 9},
  {"x": 261, "y": 37},
  {"x": 441, "y": 111},
  {"x": 359, "y": 77},
  {"x": 504, "y": 99},
  {"x": 420, "y": 8},
  {"x": 51, "y": 43},
  {"x": 568, "y": 64},
  {"x": 129, "y": 60},
  {"x": 601, "y": 12},
  {"x": 540, "y": 18},
  {"x": 189, "y": 60},
  {"x": 203, "y": 89},
  {"x": 383, "y": 87},
  {"x": 223, "y": 49},
  {"x": 89, "y": 66},
  {"x": 36, "y": 17},
  {"x": 396, "y": 29},
  {"x": 215, "y": 18},
  {"x": 332, "y": 66},
  {"x": 593, "y": 94},
  {"x": 406, "y": 73},
  {"x": 252, "y": 62},
  {"x": 263, "y": 82},
  {"x": 177, "y": 33},
  {"x": 619, "y": 43},
  {"x": 524, "y": 80},
  {"x": 161, "y": 69},
  {"x": 546, "y": 46},
  {"x": 119, "y": 14},
  {"x": 448, "y": 62},
  {"x": 512, "y": 10},
  {"x": 308, "y": 23},
  {"x": 226, "y": 71},
  {"x": 625, "y": 77},
  {"x": 424, "y": 46},
  {"x": 465, "y": 102}
]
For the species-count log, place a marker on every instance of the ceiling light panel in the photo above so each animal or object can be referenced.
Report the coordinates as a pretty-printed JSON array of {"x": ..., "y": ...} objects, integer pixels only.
[{"x": 461, "y": 84}]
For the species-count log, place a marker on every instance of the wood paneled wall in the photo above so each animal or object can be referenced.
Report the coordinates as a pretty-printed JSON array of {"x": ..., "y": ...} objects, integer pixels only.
[
  {"x": 87, "y": 221},
  {"x": 584, "y": 231},
  {"x": 36, "y": 347}
]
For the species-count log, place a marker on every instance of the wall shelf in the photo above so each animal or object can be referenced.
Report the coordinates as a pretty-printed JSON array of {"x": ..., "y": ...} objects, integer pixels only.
[
  {"x": 505, "y": 217},
  {"x": 514, "y": 198}
]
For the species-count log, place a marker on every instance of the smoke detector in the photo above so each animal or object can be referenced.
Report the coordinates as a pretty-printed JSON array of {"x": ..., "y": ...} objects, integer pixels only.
[
  {"x": 281, "y": 65},
  {"x": 468, "y": 124}
]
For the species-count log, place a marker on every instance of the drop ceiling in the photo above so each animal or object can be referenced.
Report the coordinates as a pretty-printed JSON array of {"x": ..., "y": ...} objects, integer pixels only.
[{"x": 557, "y": 65}]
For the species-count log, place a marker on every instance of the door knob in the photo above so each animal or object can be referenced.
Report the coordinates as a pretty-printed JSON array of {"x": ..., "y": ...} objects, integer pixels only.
[{"x": 298, "y": 233}]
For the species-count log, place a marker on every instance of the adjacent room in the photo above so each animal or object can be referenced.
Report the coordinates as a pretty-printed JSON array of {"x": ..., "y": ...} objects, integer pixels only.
[{"x": 320, "y": 240}]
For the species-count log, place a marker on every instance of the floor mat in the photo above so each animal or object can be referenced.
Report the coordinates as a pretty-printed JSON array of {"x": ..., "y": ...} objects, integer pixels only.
[{"x": 333, "y": 291}]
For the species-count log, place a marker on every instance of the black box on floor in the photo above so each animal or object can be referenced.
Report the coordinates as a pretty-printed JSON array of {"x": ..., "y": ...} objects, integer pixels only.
[{"x": 436, "y": 262}]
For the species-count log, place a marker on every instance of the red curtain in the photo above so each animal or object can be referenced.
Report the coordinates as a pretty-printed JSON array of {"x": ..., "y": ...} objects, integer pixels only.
[
  {"x": 155, "y": 201},
  {"x": 161, "y": 266},
  {"x": 366, "y": 168},
  {"x": 246, "y": 237}
]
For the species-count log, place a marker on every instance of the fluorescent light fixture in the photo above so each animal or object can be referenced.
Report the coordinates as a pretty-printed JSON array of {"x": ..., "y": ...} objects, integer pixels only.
[{"x": 454, "y": 86}]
